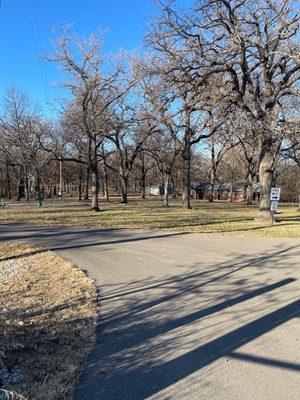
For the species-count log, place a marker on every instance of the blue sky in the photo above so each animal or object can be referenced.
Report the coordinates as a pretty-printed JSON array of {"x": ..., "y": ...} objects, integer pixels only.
[{"x": 21, "y": 21}]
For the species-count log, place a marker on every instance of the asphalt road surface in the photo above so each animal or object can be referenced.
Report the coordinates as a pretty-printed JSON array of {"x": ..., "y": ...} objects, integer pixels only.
[{"x": 186, "y": 316}]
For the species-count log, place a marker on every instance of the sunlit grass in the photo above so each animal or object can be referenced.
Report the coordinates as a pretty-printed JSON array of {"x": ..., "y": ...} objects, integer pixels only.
[{"x": 220, "y": 217}]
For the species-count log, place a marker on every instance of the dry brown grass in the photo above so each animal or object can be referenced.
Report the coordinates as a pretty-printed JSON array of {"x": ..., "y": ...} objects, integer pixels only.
[
  {"x": 220, "y": 217},
  {"x": 47, "y": 323}
]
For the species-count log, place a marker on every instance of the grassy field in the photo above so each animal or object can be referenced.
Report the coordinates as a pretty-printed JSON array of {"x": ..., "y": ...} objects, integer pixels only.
[
  {"x": 220, "y": 217},
  {"x": 47, "y": 323}
]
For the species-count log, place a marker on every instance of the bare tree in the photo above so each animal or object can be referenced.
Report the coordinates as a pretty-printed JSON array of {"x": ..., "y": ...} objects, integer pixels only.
[
  {"x": 195, "y": 100},
  {"x": 291, "y": 148},
  {"x": 129, "y": 129},
  {"x": 22, "y": 133},
  {"x": 219, "y": 144},
  {"x": 253, "y": 46},
  {"x": 93, "y": 91},
  {"x": 164, "y": 145}
]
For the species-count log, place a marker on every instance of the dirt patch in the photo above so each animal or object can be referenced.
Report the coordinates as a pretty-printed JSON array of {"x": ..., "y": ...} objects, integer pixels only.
[{"x": 47, "y": 323}]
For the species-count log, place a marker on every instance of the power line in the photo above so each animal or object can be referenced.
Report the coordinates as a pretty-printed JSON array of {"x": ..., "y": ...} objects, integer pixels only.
[{"x": 37, "y": 43}]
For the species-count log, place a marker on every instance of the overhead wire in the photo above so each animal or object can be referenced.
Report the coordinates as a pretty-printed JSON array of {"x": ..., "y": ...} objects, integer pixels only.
[{"x": 37, "y": 43}]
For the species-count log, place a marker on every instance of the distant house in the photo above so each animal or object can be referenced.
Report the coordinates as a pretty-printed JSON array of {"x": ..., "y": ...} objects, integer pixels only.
[
  {"x": 223, "y": 191},
  {"x": 157, "y": 190}
]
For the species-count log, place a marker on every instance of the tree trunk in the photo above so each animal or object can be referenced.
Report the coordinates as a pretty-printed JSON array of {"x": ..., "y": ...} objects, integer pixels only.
[
  {"x": 213, "y": 170},
  {"x": 143, "y": 179},
  {"x": 213, "y": 185},
  {"x": 86, "y": 195},
  {"x": 186, "y": 171},
  {"x": 143, "y": 189},
  {"x": 124, "y": 188},
  {"x": 27, "y": 191},
  {"x": 105, "y": 181},
  {"x": 249, "y": 195},
  {"x": 95, "y": 175},
  {"x": 178, "y": 180},
  {"x": 95, "y": 186},
  {"x": 8, "y": 185},
  {"x": 143, "y": 185},
  {"x": 174, "y": 194},
  {"x": 37, "y": 183},
  {"x": 79, "y": 188},
  {"x": 231, "y": 193},
  {"x": 88, "y": 170},
  {"x": 20, "y": 193},
  {"x": 249, "y": 190},
  {"x": 265, "y": 178},
  {"x": 116, "y": 184},
  {"x": 166, "y": 189}
]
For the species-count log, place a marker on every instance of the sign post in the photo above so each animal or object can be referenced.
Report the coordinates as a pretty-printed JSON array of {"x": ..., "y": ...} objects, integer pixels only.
[{"x": 274, "y": 197}]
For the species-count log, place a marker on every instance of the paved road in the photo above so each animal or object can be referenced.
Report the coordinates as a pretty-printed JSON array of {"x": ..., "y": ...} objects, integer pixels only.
[{"x": 186, "y": 316}]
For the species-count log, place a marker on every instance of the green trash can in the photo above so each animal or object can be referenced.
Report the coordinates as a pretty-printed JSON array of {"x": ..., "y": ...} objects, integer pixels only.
[{"x": 39, "y": 203}]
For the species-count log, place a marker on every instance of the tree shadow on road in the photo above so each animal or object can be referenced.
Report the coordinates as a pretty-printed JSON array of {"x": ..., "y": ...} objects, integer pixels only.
[
  {"x": 156, "y": 332},
  {"x": 71, "y": 238}
]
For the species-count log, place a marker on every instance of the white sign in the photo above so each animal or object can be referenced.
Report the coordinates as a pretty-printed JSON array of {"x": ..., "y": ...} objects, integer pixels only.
[
  {"x": 274, "y": 205},
  {"x": 275, "y": 194}
]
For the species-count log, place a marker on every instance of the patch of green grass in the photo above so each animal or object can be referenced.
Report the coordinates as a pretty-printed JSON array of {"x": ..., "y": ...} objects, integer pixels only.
[{"x": 220, "y": 217}]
